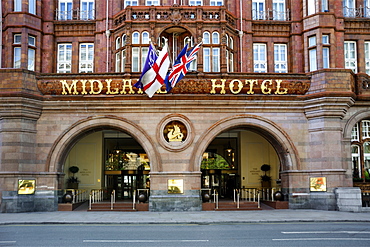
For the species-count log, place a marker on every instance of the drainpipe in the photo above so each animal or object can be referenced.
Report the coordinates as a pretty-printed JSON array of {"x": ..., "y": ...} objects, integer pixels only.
[
  {"x": 107, "y": 34},
  {"x": 241, "y": 36}
]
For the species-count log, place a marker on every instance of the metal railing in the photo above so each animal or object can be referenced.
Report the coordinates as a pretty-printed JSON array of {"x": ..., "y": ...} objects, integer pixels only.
[
  {"x": 271, "y": 15},
  {"x": 74, "y": 14},
  {"x": 249, "y": 194},
  {"x": 78, "y": 195},
  {"x": 96, "y": 195},
  {"x": 356, "y": 12}
]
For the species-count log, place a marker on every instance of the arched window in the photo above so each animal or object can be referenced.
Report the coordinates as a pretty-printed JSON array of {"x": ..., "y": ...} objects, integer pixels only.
[
  {"x": 215, "y": 38},
  {"x": 136, "y": 38},
  {"x": 124, "y": 38},
  {"x": 360, "y": 146},
  {"x": 206, "y": 38},
  {"x": 118, "y": 43},
  {"x": 145, "y": 38}
]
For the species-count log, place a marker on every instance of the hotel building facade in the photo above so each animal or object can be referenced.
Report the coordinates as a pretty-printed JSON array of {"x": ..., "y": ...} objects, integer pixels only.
[{"x": 281, "y": 83}]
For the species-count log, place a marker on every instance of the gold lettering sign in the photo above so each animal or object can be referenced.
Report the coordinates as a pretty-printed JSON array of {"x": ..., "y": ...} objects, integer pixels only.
[
  {"x": 175, "y": 186},
  {"x": 26, "y": 187},
  {"x": 318, "y": 184},
  {"x": 110, "y": 87}
]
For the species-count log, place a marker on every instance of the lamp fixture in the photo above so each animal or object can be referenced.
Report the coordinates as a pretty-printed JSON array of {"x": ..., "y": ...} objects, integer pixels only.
[{"x": 229, "y": 149}]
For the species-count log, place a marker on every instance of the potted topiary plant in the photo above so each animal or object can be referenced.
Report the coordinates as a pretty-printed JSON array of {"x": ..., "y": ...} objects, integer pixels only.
[
  {"x": 72, "y": 182},
  {"x": 265, "y": 179}
]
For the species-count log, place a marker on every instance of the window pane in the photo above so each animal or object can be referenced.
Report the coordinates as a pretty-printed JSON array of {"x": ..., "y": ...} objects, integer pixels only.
[
  {"x": 32, "y": 6},
  {"x": 17, "y": 39},
  {"x": 135, "y": 59},
  {"x": 17, "y": 5},
  {"x": 216, "y": 60},
  {"x": 31, "y": 59},
  {"x": 31, "y": 40},
  {"x": 313, "y": 61},
  {"x": 325, "y": 57},
  {"x": 206, "y": 58},
  {"x": 17, "y": 57},
  {"x": 206, "y": 38}
]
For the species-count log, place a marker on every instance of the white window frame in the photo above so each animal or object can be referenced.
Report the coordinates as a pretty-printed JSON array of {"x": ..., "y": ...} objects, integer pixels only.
[
  {"x": 367, "y": 8},
  {"x": 350, "y": 55},
  {"x": 355, "y": 133},
  {"x": 87, "y": 10},
  {"x": 31, "y": 57},
  {"x": 279, "y": 10},
  {"x": 365, "y": 129},
  {"x": 356, "y": 157},
  {"x": 196, "y": 3},
  {"x": 65, "y": 9},
  {"x": 86, "y": 58},
  {"x": 123, "y": 60},
  {"x": 131, "y": 3},
  {"x": 215, "y": 38},
  {"x": 324, "y": 6},
  {"x": 216, "y": 2},
  {"x": 280, "y": 58},
  {"x": 349, "y": 8},
  {"x": 135, "y": 38},
  {"x": 367, "y": 57},
  {"x": 259, "y": 58},
  {"x": 118, "y": 62},
  {"x": 145, "y": 38},
  {"x": 152, "y": 3},
  {"x": 138, "y": 58},
  {"x": 206, "y": 38},
  {"x": 312, "y": 53},
  {"x": 258, "y": 10},
  {"x": 17, "y": 57},
  {"x": 17, "y": 5},
  {"x": 32, "y": 7},
  {"x": 64, "y": 59},
  {"x": 325, "y": 51},
  {"x": 216, "y": 59},
  {"x": 311, "y": 7}
]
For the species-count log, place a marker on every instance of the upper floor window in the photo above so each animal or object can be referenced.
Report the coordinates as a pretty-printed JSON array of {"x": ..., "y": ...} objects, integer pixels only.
[
  {"x": 350, "y": 55},
  {"x": 278, "y": 7},
  {"x": 32, "y": 6},
  {"x": 324, "y": 6},
  {"x": 325, "y": 51},
  {"x": 31, "y": 55},
  {"x": 312, "y": 53},
  {"x": 86, "y": 61},
  {"x": 196, "y": 3},
  {"x": 215, "y": 38},
  {"x": 65, "y": 10},
  {"x": 259, "y": 58},
  {"x": 152, "y": 2},
  {"x": 64, "y": 59},
  {"x": 131, "y": 3},
  {"x": 145, "y": 38},
  {"x": 87, "y": 10},
  {"x": 280, "y": 58},
  {"x": 367, "y": 57},
  {"x": 17, "y": 5},
  {"x": 230, "y": 54},
  {"x": 311, "y": 7},
  {"x": 136, "y": 38},
  {"x": 349, "y": 8},
  {"x": 216, "y": 3},
  {"x": 17, "y": 40},
  {"x": 258, "y": 10},
  {"x": 211, "y": 52}
]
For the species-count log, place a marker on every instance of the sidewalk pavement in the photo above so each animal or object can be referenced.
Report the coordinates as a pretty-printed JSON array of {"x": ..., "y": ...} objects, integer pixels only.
[{"x": 199, "y": 217}]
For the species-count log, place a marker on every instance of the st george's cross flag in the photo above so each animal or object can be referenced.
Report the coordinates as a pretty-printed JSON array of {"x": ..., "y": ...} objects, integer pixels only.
[
  {"x": 181, "y": 66},
  {"x": 155, "y": 71}
]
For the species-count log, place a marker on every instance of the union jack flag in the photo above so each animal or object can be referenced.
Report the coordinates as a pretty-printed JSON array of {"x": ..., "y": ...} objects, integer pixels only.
[{"x": 181, "y": 66}]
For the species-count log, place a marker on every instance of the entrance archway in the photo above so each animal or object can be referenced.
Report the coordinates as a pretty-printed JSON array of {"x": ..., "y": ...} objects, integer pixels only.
[
  {"x": 63, "y": 145},
  {"x": 275, "y": 135}
]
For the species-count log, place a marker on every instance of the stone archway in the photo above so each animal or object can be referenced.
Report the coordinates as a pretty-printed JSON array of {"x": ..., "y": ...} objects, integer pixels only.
[
  {"x": 66, "y": 140},
  {"x": 278, "y": 138}
]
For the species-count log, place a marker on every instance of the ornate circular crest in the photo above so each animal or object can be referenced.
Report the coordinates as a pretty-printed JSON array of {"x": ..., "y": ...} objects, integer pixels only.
[{"x": 175, "y": 132}]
